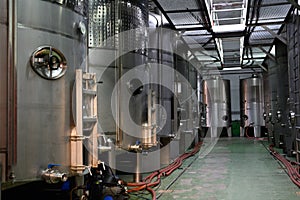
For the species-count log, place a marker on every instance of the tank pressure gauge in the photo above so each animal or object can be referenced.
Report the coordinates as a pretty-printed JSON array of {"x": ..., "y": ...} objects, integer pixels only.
[{"x": 48, "y": 62}]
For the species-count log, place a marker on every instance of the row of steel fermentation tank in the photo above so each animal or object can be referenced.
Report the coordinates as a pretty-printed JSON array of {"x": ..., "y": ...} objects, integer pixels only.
[
  {"x": 281, "y": 82},
  {"x": 216, "y": 106},
  {"x": 89, "y": 86}
]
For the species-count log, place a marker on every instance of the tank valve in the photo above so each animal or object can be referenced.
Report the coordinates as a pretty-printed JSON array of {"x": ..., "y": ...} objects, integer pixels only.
[
  {"x": 136, "y": 147},
  {"x": 245, "y": 117},
  {"x": 292, "y": 117},
  {"x": 270, "y": 116},
  {"x": 52, "y": 175},
  {"x": 12, "y": 177},
  {"x": 265, "y": 116},
  {"x": 278, "y": 115}
]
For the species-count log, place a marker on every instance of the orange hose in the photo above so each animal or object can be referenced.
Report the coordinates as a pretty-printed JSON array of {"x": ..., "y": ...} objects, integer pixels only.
[{"x": 147, "y": 182}]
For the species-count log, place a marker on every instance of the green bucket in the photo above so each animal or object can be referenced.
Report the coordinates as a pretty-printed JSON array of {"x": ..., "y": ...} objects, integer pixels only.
[{"x": 235, "y": 128}]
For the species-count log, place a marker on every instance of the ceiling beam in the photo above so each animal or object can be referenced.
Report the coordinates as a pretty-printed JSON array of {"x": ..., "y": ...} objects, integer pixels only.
[
  {"x": 294, "y": 3},
  {"x": 261, "y": 66},
  {"x": 267, "y": 23},
  {"x": 272, "y": 4},
  {"x": 195, "y": 24},
  {"x": 183, "y": 11},
  {"x": 260, "y": 45},
  {"x": 164, "y": 13},
  {"x": 274, "y": 34},
  {"x": 267, "y": 53},
  {"x": 191, "y": 28},
  {"x": 204, "y": 14},
  {"x": 254, "y": 58}
]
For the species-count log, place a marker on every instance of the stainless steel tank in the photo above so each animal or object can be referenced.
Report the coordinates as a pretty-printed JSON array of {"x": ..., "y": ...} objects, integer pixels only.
[
  {"x": 267, "y": 114},
  {"x": 216, "y": 98},
  {"x": 186, "y": 95},
  {"x": 270, "y": 98},
  {"x": 172, "y": 91},
  {"x": 46, "y": 43},
  {"x": 160, "y": 53},
  {"x": 252, "y": 104},
  {"x": 117, "y": 43}
]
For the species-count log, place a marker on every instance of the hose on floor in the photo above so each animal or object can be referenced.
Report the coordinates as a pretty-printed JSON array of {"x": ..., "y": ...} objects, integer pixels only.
[
  {"x": 291, "y": 166},
  {"x": 154, "y": 179}
]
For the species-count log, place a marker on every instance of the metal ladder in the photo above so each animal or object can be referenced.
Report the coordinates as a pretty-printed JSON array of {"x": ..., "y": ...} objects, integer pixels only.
[{"x": 218, "y": 8}]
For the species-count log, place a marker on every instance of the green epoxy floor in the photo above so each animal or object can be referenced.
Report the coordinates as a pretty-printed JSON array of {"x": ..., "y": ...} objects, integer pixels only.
[{"x": 229, "y": 169}]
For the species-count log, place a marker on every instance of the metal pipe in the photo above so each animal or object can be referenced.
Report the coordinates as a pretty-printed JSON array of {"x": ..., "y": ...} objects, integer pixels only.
[
  {"x": 53, "y": 176},
  {"x": 119, "y": 72},
  {"x": 11, "y": 84}
]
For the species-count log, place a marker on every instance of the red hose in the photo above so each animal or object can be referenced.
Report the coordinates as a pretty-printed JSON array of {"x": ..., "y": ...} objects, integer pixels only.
[
  {"x": 152, "y": 192},
  {"x": 147, "y": 182},
  {"x": 292, "y": 171}
]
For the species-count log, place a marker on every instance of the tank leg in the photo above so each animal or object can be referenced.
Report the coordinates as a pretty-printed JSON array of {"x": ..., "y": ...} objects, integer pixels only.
[
  {"x": 257, "y": 131},
  {"x": 138, "y": 176},
  {"x": 214, "y": 132},
  {"x": 229, "y": 134},
  {"x": 196, "y": 136},
  {"x": 242, "y": 132},
  {"x": 165, "y": 150}
]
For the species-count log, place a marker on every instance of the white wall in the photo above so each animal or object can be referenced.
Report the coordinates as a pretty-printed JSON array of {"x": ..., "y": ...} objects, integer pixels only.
[{"x": 235, "y": 93}]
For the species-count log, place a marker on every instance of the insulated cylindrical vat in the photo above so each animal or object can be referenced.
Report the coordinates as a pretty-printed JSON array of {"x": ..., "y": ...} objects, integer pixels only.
[
  {"x": 252, "y": 101},
  {"x": 160, "y": 56},
  {"x": 216, "y": 98},
  {"x": 186, "y": 85}
]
